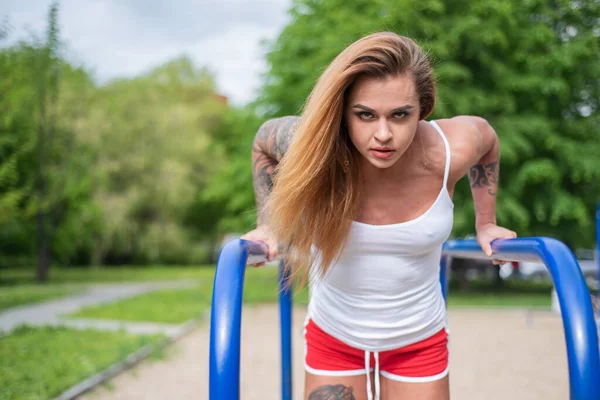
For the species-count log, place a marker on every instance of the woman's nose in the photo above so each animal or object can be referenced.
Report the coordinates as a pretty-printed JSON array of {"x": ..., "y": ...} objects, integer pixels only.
[{"x": 384, "y": 133}]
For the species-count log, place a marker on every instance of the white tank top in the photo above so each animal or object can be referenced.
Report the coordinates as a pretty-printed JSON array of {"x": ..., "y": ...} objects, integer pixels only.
[{"x": 384, "y": 291}]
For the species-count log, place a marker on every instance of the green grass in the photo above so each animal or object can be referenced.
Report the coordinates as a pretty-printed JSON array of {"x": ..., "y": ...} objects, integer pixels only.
[
  {"x": 40, "y": 363},
  {"x": 510, "y": 294},
  {"x": 261, "y": 287},
  {"x": 17, "y": 286},
  {"x": 173, "y": 306},
  {"x": 13, "y": 296},
  {"x": 10, "y": 277},
  {"x": 522, "y": 300},
  {"x": 179, "y": 305}
]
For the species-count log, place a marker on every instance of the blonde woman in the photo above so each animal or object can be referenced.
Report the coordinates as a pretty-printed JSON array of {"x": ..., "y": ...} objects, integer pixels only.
[{"x": 359, "y": 189}]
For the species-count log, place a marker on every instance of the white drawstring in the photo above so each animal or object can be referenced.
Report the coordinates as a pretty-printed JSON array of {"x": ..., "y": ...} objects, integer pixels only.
[
  {"x": 368, "y": 369},
  {"x": 377, "y": 375}
]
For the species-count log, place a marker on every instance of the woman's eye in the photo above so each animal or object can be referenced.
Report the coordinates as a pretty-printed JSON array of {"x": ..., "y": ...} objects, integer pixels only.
[
  {"x": 400, "y": 115},
  {"x": 364, "y": 115}
]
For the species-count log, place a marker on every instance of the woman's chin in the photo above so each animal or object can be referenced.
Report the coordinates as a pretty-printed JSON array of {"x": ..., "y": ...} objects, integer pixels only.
[{"x": 380, "y": 163}]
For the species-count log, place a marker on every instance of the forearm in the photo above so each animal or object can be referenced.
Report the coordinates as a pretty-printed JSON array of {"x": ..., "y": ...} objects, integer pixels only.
[{"x": 483, "y": 177}]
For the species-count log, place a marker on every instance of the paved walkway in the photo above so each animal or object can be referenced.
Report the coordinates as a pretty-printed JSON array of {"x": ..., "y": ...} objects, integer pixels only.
[
  {"x": 51, "y": 312},
  {"x": 494, "y": 355}
]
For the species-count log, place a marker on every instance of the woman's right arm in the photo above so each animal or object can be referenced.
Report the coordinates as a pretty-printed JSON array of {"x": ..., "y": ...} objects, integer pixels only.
[{"x": 269, "y": 146}]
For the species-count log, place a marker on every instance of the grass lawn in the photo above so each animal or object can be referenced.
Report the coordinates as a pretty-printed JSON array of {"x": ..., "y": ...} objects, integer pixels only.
[
  {"x": 509, "y": 294},
  {"x": 40, "y": 363},
  {"x": 17, "y": 287},
  {"x": 521, "y": 300},
  {"x": 180, "y": 305},
  {"x": 43, "y": 362},
  {"x": 11, "y": 277},
  {"x": 174, "y": 306},
  {"x": 261, "y": 287},
  {"x": 13, "y": 296}
]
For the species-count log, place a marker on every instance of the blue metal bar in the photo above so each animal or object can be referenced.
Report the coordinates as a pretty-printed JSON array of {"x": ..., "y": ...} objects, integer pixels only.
[
  {"x": 573, "y": 296},
  {"x": 598, "y": 243},
  {"x": 445, "y": 263},
  {"x": 285, "y": 315},
  {"x": 226, "y": 318},
  {"x": 578, "y": 320}
]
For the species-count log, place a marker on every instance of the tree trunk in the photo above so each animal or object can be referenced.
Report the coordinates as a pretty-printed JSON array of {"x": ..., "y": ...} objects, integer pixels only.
[
  {"x": 48, "y": 97},
  {"x": 43, "y": 254}
]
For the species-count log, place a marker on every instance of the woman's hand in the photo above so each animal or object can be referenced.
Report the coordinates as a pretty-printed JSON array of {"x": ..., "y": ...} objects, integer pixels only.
[
  {"x": 264, "y": 235},
  {"x": 488, "y": 233}
]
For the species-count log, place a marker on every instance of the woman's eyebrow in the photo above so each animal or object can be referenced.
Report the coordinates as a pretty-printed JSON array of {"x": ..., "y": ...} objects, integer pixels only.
[{"x": 405, "y": 107}]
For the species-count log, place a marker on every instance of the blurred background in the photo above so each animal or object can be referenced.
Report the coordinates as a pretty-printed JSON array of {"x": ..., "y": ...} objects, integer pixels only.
[{"x": 126, "y": 131}]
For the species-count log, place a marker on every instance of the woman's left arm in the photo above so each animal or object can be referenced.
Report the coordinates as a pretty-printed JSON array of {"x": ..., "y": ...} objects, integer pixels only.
[{"x": 483, "y": 178}]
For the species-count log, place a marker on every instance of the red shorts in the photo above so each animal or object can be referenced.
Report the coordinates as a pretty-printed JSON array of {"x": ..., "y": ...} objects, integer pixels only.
[{"x": 424, "y": 361}]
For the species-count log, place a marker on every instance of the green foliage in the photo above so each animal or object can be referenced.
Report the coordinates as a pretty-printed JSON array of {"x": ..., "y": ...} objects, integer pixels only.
[
  {"x": 17, "y": 130},
  {"x": 115, "y": 170},
  {"x": 154, "y": 169},
  {"x": 151, "y": 136},
  {"x": 40, "y": 363},
  {"x": 530, "y": 67},
  {"x": 230, "y": 191},
  {"x": 44, "y": 169}
]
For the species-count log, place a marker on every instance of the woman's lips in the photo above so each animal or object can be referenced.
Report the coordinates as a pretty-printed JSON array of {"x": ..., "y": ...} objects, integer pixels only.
[{"x": 382, "y": 153}]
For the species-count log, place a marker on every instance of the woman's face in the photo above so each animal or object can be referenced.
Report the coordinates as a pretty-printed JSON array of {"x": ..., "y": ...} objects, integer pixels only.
[{"x": 382, "y": 116}]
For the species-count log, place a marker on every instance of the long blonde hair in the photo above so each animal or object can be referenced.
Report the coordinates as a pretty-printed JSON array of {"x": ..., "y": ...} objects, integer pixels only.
[{"x": 316, "y": 193}]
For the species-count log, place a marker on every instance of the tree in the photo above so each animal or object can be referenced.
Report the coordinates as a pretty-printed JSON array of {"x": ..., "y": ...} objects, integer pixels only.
[
  {"x": 47, "y": 72},
  {"x": 151, "y": 136},
  {"x": 17, "y": 143},
  {"x": 229, "y": 194},
  {"x": 531, "y": 68},
  {"x": 43, "y": 167}
]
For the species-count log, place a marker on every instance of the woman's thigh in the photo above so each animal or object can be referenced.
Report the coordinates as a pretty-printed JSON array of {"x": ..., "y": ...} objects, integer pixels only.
[
  {"x": 435, "y": 390},
  {"x": 318, "y": 387}
]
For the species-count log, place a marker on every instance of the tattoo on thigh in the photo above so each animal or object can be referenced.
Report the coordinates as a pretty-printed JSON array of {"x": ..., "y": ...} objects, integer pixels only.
[{"x": 332, "y": 392}]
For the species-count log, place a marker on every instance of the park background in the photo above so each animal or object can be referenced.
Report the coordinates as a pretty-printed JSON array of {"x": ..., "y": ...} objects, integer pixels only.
[{"x": 141, "y": 178}]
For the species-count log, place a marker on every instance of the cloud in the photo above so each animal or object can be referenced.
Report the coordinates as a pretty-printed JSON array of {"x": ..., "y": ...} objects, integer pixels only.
[{"x": 126, "y": 38}]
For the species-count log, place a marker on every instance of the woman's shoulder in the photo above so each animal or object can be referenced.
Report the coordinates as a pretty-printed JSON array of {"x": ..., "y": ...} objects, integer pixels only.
[
  {"x": 274, "y": 135},
  {"x": 462, "y": 134},
  {"x": 464, "y": 140}
]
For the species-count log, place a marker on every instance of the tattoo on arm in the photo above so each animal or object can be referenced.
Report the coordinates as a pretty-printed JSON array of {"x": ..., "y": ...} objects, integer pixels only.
[
  {"x": 269, "y": 147},
  {"x": 332, "y": 392},
  {"x": 481, "y": 176}
]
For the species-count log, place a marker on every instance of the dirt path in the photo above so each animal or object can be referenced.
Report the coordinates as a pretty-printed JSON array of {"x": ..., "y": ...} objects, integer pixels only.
[
  {"x": 495, "y": 354},
  {"x": 50, "y": 312}
]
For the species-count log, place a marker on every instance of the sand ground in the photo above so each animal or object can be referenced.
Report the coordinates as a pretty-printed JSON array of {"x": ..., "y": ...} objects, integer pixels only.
[{"x": 494, "y": 354}]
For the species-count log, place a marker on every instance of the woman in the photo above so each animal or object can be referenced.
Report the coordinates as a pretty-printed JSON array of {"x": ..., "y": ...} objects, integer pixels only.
[{"x": 364, "y": 197}]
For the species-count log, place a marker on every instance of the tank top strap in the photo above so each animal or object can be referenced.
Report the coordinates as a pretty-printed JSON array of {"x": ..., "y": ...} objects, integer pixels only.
[{"x": 447, "y": 146}]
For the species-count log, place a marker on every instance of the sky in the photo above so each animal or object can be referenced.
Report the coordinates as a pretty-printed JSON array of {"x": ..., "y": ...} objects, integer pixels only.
[{"x": 124, "y": 38}]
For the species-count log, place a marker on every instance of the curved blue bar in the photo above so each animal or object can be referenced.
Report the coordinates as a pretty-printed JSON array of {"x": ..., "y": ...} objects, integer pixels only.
[
  {"x": 578, "y": 320},
  {"x": 444, "y": 272},
  {"x": 574, "y": 298},
  {"x": 285, "y": 317},
  {"x": 226, "y": 321},
  {"x": 226, "y": 317},
  {"x": 598, "y": 244}
]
